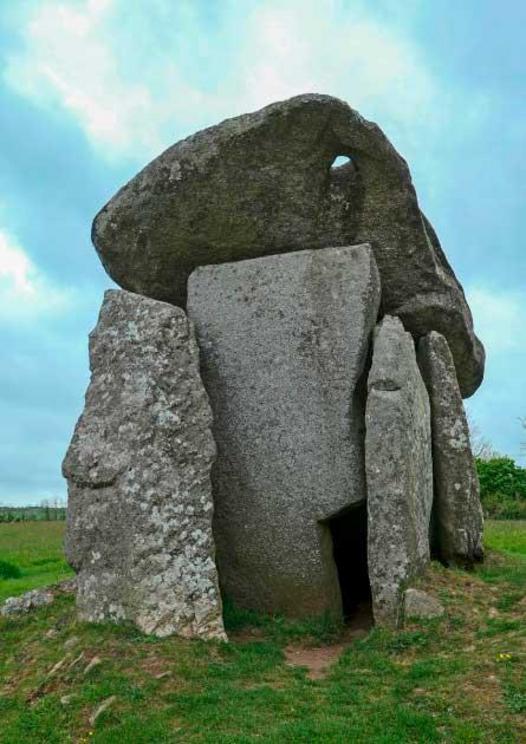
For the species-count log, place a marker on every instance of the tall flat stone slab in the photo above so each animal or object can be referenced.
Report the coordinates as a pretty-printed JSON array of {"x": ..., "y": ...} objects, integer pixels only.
[
  {"x": 139, "y": 525},
  {"x": 261, "y": 184},
  {"x": 458, "y": 519},
  {"x": 284, "y": 342},
  {"x": 399, "y": 469}
]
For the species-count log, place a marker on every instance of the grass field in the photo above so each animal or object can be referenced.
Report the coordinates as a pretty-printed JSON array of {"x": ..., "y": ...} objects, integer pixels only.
[
  {"x": 456, "y": 679},
  {"x": 509, "y": 537},
  {"x": 35, "y": 549}
]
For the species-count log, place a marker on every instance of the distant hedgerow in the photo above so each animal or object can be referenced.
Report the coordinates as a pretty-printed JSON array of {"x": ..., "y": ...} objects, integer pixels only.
[{"x": 502, "y": 488}]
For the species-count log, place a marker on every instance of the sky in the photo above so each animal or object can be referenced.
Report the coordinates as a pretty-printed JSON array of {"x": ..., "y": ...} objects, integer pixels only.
[{"x": 92, "y": 90}]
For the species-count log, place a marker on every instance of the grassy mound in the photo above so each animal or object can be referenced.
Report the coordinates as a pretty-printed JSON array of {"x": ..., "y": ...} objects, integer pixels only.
[{"x": 459, "y": 678}]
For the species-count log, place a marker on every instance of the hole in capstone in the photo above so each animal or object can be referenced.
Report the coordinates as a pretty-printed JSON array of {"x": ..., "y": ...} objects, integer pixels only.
[{"x": 341, "y": 160}]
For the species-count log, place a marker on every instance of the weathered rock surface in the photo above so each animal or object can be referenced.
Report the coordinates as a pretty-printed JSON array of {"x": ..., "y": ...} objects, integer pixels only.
[
  {"x": 399, "y": 469},
  {"x": 419, "y": 604},
  {"x": 284, "y": 343},
  {"x": 68, "y": 586},
  {"x": 36, "y": 598},
  {"x": 139, "y": 528},
  {"x": 262, "y": 183},
  {"x": 457, "y": 513},
  {"x": 24, "y": 603}
]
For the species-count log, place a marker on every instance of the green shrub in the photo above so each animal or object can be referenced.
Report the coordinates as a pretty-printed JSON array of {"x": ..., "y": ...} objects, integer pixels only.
[
  {"x": 502, "y": 488},
  {"x": 9, "y": 570}
]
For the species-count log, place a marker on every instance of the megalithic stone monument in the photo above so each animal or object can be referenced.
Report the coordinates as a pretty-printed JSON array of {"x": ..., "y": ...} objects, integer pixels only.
[{"x": 337, "y": 454}]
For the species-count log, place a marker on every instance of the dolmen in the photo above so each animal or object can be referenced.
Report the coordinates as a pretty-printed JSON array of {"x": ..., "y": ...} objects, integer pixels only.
[{"x": 275, "y": 408}]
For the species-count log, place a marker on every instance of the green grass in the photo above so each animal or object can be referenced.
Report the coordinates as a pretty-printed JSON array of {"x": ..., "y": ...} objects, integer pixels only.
[
  {"x": 458, "y": 679},
  {"x": 34, "y": 551},
  {"x": 506, "y": 542},
  {"x": 323, "y": 629},
  {"x": 509, "y": 537}
]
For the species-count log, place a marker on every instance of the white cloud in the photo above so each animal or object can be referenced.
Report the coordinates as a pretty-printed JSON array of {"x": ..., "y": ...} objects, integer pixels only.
[
  {"x": 67, "y": 60},
  {"x": 138, "y": 76},
  {"x": 24, "y": 290},
  {"x": 15, "y": 268},
  {"x": 310, "y": 46},
  {"x": 499, "y": 317}
]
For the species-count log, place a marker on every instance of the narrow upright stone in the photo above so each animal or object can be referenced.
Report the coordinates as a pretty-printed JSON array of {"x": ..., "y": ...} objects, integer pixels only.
[
  {"x": 139, "y": 530},
  {"x": 399, "y": 470},
  {"x": 284, "y": 343},
  {"x": 458, "y": 520}
]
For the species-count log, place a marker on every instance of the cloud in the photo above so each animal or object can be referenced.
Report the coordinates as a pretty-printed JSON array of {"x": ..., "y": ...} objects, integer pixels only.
[
  {"x": 24, "y": 290},
  {"x": 84, "y": 58},
  {"x": 43, "y": 327},
  {"x": 67, "y": 60},
  {"x": 310, "y": 46},
  {"x": 500, "y": 318},
  {"x": 15, "y": 268}
]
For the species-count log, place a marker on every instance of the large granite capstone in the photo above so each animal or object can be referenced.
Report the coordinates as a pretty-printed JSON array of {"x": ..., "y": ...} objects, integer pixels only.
[
  {"x": 284, "y": 343},
  {"x": 458, "y": 521},
  {"x": 399, "y": 468},
  {"x": 139, "y": 524},
  {"x": 261, "y": 184}
]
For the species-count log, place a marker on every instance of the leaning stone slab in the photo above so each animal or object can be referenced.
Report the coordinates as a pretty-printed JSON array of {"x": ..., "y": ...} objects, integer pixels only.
[
  {"x": 284, "y": 343},
  {"x": 457, "y": 512},
  {"x": 261, "y": 184},
  {"x": 399, "y": 470},
  {"x": 139, "y": 524}
]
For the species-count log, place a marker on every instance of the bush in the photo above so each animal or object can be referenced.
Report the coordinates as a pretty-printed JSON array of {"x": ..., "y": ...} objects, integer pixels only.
[
  {"x": 502, "y": 488},
  {"x": 9, "y": 570},
  {"x": 499, "y": 506}
]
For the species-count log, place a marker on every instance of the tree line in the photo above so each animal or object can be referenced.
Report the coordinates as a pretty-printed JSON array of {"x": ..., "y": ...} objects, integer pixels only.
[
  {"x": 502, "y": 480},
  {"x": 49, "y": 510}
]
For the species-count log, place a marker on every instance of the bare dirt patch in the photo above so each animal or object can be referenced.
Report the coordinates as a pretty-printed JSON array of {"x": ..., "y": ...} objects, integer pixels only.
[
  {"x": 319, "y": 659},
  {"x": 246, "y": 635},
  {"x": 155, "y": 667}
]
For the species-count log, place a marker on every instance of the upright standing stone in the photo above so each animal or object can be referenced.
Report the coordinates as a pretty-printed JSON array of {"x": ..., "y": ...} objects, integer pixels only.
[
  {"x": 458, "y": 520},
  {"x": 139, "y": 528},
  {"x": 399, "y": 470},
  {"x": 284, "y": 342}
]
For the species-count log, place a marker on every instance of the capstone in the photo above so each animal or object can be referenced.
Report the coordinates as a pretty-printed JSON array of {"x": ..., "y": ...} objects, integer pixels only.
[{"x": 262, "y": 183}]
